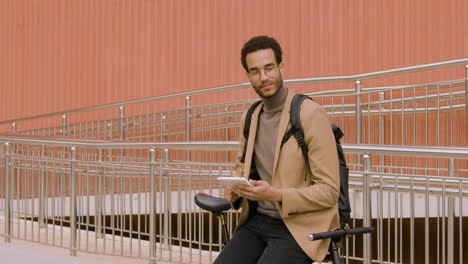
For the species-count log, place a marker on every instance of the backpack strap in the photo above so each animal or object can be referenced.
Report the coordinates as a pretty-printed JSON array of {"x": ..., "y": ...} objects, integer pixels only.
[
  {"x": 296, "y": 129},
  {"x": 248, "y": 120},
  {"x": 344, "y": 206},
  {"x": 338, "y": 135}
]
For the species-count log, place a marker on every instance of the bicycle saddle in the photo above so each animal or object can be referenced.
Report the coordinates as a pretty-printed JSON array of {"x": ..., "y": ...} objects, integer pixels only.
[{"x": 213, "y": 204}]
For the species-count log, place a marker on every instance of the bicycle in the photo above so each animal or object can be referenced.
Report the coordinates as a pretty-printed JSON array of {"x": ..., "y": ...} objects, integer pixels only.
[{"x": 217, "y": 206}]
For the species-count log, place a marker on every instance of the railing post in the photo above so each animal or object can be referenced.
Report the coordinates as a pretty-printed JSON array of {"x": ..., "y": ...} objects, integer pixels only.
[
  {"x": 367, "y": 213},
  {"x": 109, "y": 130},
  {"x": 358, "y": 112},
  {"x": 187, "y": 118},
  {"x": 99, "y": 194},
  {"x": 152, "y": 246},
  {"x": 163, "y": 129},
  {"x": 13, "y": 127},
  {"x": 381, "y": 120},
  {"x": 412, "y": 219},
  {"x": 122, "y": 115},
  {"x": 450, "y": 229},
  {"x": 41, "y": 190},
  {"x": 7, "y": 194},
  {"x": 450, "y": 216},
  {"x": 226, "y": 110},
  {"x": 466, "y": 104},
  {"x": 451, "y": 167},
  {"x": 187, "y": 124},
  {"x": 357, "y": 122},
  {"x": 64, "y": 125},
  {"x": 381, "y": 130},
  {"x": 167, "y": 199},
  {"x": 73, "y": 229}
]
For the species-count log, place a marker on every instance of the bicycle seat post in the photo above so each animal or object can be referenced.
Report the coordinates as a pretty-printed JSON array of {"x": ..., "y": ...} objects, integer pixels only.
[{"x": 222, "y": 218}]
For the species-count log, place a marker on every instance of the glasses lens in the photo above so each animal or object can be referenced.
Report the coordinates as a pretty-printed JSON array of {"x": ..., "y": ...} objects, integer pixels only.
[{"x": 256, "y": 74}]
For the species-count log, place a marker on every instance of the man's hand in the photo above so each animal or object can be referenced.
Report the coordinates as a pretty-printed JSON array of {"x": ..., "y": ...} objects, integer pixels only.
[
  {"x": 229, "y": 194},
  {"x": 261, "y": 191}
]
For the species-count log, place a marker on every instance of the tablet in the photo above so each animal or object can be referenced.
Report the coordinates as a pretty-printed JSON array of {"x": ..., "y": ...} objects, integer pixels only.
[{"x": 229, "y": 181}]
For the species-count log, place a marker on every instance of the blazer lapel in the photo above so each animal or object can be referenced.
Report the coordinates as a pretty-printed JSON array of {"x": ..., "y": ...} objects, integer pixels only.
[
  {"x": 283, "y": 125},
  {"x": 251, "y": 142}
]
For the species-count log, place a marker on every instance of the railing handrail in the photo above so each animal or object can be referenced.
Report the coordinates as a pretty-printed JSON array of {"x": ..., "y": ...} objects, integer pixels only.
[
  {"x": 363, "y": 76},
  {"x": 423, "y": 151},
  {"x": 443, "y": 152},
  {"x": 113, "y": 144}
]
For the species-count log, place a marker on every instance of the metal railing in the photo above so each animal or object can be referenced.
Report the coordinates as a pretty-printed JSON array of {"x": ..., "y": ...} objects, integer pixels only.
[
  {"x": 79, "y": 188},
  {"x": 136, "y": 199},
  {"x": 409, "y": 115},
  {"x": 429, "y": 114}
]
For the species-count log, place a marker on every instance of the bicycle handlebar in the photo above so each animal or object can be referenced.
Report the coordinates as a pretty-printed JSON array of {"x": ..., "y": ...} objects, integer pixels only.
[{"x": 341, "y": 233}]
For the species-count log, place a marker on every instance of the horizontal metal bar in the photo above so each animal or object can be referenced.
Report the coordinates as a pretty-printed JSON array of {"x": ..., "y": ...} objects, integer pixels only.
[
  {"x": 444, "y": 84},
  {"x": 386, "y": 112},
  {"x": 460, "y": 95},
  {"x": 202, "y": 145},
  {"x": 452, "y": 152},
  {"x": 433, "y": 190},
  {"x": 441, "y": 152},
  {"x": 364, "y": 76}
]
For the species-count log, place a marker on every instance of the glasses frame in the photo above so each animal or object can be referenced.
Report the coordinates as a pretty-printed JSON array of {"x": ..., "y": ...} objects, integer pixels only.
[{"x": 269, "y": 70}]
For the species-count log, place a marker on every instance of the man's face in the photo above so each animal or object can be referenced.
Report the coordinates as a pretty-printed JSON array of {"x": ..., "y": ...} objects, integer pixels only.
[{"x": 264, "y": 73}]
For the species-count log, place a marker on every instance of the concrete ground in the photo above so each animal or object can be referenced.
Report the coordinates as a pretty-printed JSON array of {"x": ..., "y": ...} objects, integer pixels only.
[
  {"x": 20, "y": 251},
  {"x": 13, "y": 253}
]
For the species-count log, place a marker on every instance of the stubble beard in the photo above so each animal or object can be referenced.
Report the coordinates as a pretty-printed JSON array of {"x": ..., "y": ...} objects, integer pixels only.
[{"x": 278, "y": 83}]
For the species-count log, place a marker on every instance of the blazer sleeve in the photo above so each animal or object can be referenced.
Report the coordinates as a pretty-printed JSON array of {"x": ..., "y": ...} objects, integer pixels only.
[{"x": 324, "y": 182}]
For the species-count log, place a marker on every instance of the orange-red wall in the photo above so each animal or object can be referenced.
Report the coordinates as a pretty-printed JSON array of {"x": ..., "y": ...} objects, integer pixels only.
[{"x": 57, "y": 55}]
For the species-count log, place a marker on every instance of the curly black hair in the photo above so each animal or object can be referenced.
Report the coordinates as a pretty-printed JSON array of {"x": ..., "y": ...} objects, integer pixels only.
[{"x": 259, "y": 43}]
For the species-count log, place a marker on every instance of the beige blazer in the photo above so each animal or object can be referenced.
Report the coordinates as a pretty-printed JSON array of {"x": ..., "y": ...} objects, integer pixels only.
[{"x": 311, "y": 205}]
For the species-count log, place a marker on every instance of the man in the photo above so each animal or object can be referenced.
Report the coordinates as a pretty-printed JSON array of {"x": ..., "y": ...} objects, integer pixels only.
[{"x": 288, "y": 200}]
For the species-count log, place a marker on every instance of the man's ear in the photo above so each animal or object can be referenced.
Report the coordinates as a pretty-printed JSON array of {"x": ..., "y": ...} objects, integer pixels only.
[{"x": 281, "y": 66}]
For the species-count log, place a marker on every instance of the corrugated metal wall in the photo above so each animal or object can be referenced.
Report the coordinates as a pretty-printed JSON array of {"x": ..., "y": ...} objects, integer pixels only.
[{"x": 57, "y": 55}]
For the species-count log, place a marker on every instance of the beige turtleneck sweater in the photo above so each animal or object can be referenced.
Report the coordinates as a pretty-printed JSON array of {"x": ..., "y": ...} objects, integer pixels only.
[{"x": 264, "y": 151}]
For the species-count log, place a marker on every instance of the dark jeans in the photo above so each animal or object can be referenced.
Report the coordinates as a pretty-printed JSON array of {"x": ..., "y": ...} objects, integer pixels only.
[{"x": 264, "y": 240}]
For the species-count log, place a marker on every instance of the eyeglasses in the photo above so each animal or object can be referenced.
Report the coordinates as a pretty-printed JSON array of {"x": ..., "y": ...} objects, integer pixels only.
[{"x": 268, "y": 70}]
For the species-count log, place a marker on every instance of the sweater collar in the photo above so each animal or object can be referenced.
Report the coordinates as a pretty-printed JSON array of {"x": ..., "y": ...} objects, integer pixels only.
[{"x": 275, "y": 102}]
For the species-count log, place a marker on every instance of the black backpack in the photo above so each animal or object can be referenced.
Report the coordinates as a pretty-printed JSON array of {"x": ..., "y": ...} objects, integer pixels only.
[{"x": 298, "y": 132}]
